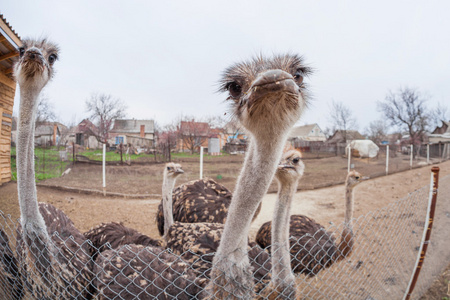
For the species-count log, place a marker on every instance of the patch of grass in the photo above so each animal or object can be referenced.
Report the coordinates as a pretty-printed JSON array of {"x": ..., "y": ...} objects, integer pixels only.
[
  {"x": 110, "y": 155},
  {"x": 47, "y": 163}
]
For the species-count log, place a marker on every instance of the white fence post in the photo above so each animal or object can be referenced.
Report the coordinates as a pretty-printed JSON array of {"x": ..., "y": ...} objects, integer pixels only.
[
  {"x": 387, "y": 159},
  {"x": 411, "y": 159},
  {"x": 201, "y": 162},
  {"x": 428, "y": 154},
  {"x": 104, "y": 172},
  {"x": 349, "y": 154}
]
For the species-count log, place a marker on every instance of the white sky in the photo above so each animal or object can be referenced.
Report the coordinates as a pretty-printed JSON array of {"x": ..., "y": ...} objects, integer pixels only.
[{"x": 164, "y": 58}]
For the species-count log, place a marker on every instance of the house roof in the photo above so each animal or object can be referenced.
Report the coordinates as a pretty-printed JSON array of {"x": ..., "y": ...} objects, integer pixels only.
[
  {"x": 445, "y": 128},
  {"x": 197, "y": 128},
  {"x": 133, "y": 126},
  {"x": 44, "y": 129},
  {"x": 304, "y": 130},
  {"x": 338, "y": 136},
  {"x": 85, "y": 126},
  {"x": 9, "y": 45}
]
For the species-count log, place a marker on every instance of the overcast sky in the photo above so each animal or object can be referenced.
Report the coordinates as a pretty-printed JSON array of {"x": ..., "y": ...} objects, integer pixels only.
[{"x": 164, "y": 58}]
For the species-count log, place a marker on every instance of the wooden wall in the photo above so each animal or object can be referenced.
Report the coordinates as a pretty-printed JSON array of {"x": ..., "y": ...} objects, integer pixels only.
[{"x": 7, "y": 91}]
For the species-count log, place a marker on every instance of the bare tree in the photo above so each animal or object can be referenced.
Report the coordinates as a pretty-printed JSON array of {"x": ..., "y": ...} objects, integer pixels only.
[
  {"x": 377, "y": 131},
  {"x": 342, "y": 119},
  {"x": 193, "y": 133},
  {"x": 407, "y": 110},
  {"x": 104, "y": 110},
  {"x": 45, "y": 112},
  {"x": 438, "y": 114},
  {"x": 167, "y": 140}
]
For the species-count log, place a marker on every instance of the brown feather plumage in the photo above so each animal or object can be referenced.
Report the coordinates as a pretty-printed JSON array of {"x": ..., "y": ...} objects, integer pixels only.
[
  {"x": 64, "y": 271},
  {"x": 116, "y": 234},
  {"x": 312, "y": 247},
  {"x": 198, "y": 201},
  {"x": 198, "y": 242},
  {"x": 138, "y": 272}
]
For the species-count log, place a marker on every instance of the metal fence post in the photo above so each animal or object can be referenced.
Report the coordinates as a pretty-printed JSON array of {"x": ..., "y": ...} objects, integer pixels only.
[
  {"x": 411, "y": 159},
  {"x": 434, "y": 182},
  {"x": 104, "y": 173},
  {"x": 201, "y": 162}
]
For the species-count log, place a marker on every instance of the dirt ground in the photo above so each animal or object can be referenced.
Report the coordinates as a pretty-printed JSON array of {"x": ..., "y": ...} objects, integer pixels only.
[{"x": 325, "y": 205}]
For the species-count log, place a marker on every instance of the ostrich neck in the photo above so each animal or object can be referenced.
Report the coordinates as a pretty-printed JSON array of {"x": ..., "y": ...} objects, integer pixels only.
[
  {"x": 259, "y": 167},
  {"x": 281, "y": 266},
  {"x": 167, "y": 188},
  {"x": 31, "y": 219},
  {"x": 348, "y": 206}
]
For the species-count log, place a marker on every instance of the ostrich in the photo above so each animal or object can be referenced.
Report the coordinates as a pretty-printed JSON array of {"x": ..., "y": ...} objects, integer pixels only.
[
  {"x": 53, "y": 254},
  {"x": 117, "y": 234},
  {"x": 135, "y": 271},
  {"x": 282, "y": 285},
  {"x": 267, "y": 97},
  {"x": 197, "y": 201},
  {"x": 312, "y": 247}
]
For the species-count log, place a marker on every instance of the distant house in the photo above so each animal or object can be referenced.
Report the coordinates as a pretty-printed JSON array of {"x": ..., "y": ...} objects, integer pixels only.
[
  {"x": 440, "y": 134},
  {"x": 343, "y": 136},
  {"x": 48, "y": 133},
  {"x": 139, "y": 133},
  {"x": 193, "y": 135},
  {"x": 84, "y": 134},
  {"x": 311, "y": 132}
]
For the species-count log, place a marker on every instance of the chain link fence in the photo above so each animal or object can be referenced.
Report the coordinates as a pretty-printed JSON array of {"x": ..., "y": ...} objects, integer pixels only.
[{"x": 386, "y": 245}]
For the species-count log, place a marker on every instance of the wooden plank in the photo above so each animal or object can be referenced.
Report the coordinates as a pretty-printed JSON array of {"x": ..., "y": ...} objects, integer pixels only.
[
  {"x": 8, "y": 81},
  {"x": 9, "y": 55},
  {"x": 10, "y": 33}
]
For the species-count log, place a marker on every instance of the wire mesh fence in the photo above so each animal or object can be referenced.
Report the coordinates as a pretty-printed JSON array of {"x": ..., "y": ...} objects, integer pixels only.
[{"x": 386, "y": 244}]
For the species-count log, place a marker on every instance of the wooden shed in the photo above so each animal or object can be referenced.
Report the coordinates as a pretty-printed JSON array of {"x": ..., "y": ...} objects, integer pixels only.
[{"x": 9, "y": 46}]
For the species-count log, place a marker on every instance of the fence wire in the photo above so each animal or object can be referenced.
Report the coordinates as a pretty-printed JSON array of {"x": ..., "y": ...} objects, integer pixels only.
[{"x": 385, "y": 248}]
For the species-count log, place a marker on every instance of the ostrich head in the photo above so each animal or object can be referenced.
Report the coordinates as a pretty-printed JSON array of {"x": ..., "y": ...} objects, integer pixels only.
[
  {"x": 35, "y": 65},
  {"x": 354, "y": 178},
  {"x": 291, "y": 167},
  {"x": 267, "y": 93},
  {"x": 172, "y": 170}
]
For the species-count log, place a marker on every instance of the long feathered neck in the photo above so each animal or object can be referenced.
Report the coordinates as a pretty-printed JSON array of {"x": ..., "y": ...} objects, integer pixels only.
[
  {"x": 281, "y": 266},
  {"x": 346, "y": 242},
  {"x": 31, "y": 219},
  {"x": 167, "y": 187},
  {"x": 259, "y": 167}
]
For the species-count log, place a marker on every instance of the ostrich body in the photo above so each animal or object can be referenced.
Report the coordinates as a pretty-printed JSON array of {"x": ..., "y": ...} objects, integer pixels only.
[
  {"x": 53, "y": 254},
  {"x": 267, "y": 97},
  {"x": 312, "y": 248},
  {"x": 199, "y": 201},
  {"x": 138, "y": 272},
  {"x": 117, "y": 235}
]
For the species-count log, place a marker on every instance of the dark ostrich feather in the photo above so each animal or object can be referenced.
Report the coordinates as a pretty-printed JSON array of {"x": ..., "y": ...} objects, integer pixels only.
[
  {"x": 116, "y": 234},
  {"x": 10, "y": 279},
  {"x": 198, "y": 242},
  {"x": 199, "y": 201},
  {"x": 61, "y": 268},
  {"x": 202, "y": 200},
  {"x": 312, "y": 247},
  {"x": 138, "y": 272}
]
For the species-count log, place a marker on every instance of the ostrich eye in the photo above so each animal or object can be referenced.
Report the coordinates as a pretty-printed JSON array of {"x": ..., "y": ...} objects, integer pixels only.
[
  {"x": 296, "y": 160},
  {"x": 21, "y": 51},
  {"x": 357, "y": 177},
  {"x": 234, "y": 89},
  {"x": 298, "y": 77},
  {"x": 52, "y": 58},
  {"x": 169, "y": 168}
]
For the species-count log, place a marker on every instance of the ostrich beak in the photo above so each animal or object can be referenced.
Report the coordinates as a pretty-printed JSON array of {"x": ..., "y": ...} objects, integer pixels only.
[
  {"x": 179, "y": 171},
  {"x": 285, "y": 167},
  {"x": 365, "y": 178}
]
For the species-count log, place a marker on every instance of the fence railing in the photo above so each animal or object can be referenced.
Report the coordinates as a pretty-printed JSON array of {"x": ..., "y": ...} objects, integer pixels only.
[{"x": 386, "y": 245}]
